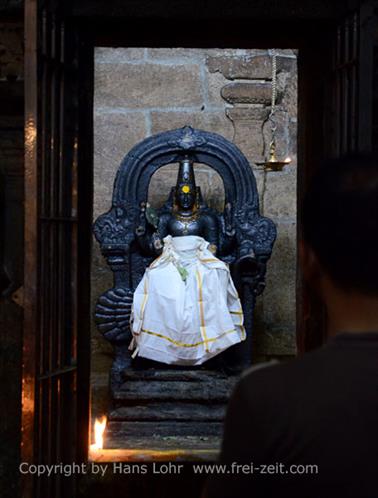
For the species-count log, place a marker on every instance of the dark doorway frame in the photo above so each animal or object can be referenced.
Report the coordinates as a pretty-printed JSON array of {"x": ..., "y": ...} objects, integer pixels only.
[{"x": 313, "y": 28}]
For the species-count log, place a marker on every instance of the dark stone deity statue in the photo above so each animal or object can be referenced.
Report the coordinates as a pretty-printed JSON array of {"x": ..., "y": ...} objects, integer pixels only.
[
  {"x": 185, "y": 213},
  {"x": 131, "y": 233}
]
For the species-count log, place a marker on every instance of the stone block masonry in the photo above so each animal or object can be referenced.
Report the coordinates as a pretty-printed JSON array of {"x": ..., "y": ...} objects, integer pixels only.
[{"x": 143, "y": 91}]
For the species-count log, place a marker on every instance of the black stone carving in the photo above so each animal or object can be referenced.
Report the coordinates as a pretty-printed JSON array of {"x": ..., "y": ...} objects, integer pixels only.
[
  {"x": 113, "y": 314},
  {"x": 245, "y": 238}
]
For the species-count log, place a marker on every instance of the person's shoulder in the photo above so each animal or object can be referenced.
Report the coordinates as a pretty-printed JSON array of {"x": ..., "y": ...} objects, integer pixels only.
[
  {"x": 259, "y": 366},
  {"x": 274, "y": 375}
]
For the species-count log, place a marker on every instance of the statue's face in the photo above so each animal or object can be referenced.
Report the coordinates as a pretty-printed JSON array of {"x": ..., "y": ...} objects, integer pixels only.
[{"x": 186, "y": 197}]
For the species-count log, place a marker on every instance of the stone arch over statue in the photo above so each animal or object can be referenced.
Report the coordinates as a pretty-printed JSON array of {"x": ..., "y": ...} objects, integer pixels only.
[
  {"x": 145, "y": 158},
  {"x": 246, "y": 241}
]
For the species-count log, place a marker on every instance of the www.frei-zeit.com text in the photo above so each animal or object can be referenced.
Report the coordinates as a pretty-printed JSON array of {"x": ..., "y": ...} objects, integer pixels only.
[{"x": 100, "y": 469}]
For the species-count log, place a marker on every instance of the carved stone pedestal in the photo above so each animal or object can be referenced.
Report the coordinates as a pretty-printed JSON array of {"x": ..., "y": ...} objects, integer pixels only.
[{"x": 167, "y": 409}]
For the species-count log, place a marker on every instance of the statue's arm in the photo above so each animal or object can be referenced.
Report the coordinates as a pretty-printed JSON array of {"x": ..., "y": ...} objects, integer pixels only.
[
  {"x": 161, "y": 232},
  {"x": 150, "y": 234},
  {"x": 211, "y": 232}
]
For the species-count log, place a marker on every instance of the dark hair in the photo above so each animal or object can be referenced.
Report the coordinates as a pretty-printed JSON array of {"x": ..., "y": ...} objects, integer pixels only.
[{"x": 340, "y": 221}]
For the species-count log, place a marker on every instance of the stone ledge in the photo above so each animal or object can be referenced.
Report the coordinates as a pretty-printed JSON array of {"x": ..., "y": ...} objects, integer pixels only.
[
  {"x": 247, "y": 113},
  {"x": 248, "y": 67},
  {"x": 199, "y": 54},
  {"x": 249, "y": 93},
  {"x": 159, "y": 450}
]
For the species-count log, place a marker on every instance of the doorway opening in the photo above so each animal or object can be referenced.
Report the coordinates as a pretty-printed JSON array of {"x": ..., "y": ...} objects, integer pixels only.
[{"x": 142, "y": 91}]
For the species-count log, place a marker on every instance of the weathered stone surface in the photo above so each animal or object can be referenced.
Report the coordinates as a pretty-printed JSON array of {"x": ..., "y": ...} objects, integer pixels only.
[
  {"x": 214, "y": 121},
  {"x": 211, "y": 391},
  {"x": 137, "y": 86},
  {"x": 248, "y": 125},
  {"x": 102, "y": 199},
  {"x": 209, "y": 447},
  {"x": 214, "y": 84},
  {"x": 169, "y": 404},
  {"x": 163, "y": 429},
  {"x": 260, "y": 182},
  {"x": 233, "y": 52},
  {"x": 290, "y": 94},
  {"x": 276, "y": 343},
  {"x": 169, "y": 411},
  {"x": 280, "y": 199},
  {"x": 248, "y": 138},
  {"x": 122, "y": 54},
  {"x": 241, "y": 67},
  {"x": 248, "y": 66},
  {"x": 173, "y": 375},
  {"x": 258, "y": 325},
  {"x": 279, "y": 294},
  {"x": 98, "y": 260},
  {"x": 293, "y": 137},
  {"x": 102, "y": 280},
  {"x": 275, "y": 314},
  {"x": 257, "y": 113},
  {"x": 180, "y": 53},
  {"x": 115, "y": 134},
  {"x": 249, "y": 93},
  {"x": 289, "y": 52}
]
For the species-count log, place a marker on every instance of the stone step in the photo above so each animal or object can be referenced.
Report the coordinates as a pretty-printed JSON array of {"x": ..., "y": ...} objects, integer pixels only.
[
  {"x": 174, "y": 375},
  {"x": 206, "y": 391},
  {"x": 169, "y": 411},
  {"x": 163, "y": 443},
  {"x": 125, "y": 430}
]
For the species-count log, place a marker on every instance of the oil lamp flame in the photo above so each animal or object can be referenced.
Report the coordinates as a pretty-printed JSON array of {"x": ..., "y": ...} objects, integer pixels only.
[
  {"x": 99, "y": 429},
  {"x": 272, "y": 163}
]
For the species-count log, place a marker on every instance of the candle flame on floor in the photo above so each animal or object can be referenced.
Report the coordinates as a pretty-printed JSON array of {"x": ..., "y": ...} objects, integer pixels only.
[{"x": 99, "y": 429}]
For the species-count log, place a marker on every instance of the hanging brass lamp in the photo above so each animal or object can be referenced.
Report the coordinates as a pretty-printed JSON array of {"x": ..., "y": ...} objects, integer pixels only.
[{"x": 272, "y": 163}]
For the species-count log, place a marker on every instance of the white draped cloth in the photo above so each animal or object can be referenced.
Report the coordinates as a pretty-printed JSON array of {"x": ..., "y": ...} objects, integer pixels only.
[{"x": 186, "y": 308}]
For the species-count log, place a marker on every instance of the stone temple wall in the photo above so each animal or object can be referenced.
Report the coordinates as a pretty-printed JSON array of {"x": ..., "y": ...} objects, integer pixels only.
[{"x": 143, "y": 91}]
